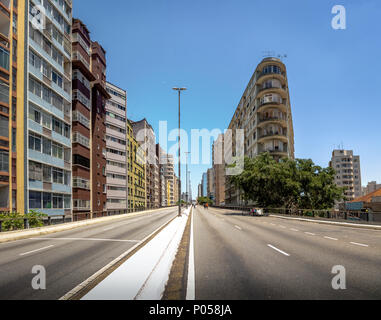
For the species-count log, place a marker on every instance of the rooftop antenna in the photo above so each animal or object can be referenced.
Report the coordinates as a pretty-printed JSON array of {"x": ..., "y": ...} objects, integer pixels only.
[
  {"x": 282, "y": 57},
  {"x": 268, "y": 54}
]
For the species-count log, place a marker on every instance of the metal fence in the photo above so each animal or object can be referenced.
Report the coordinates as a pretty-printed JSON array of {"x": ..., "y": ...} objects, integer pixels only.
[
  {"x": 327, "y": 214},
  {"x": 26, "y": 222}
]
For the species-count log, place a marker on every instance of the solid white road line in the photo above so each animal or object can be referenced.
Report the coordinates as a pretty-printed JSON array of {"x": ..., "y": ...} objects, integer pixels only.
[
  {"x": 296, "y": 230},
  {"x": 37, "y": 250},
  {"x": 191, "y": 290},
  {"x": 280, "y": 251},
  {"x": 237, "y": 227},
  {"x": 310, "y": 234},
  {"x": 359, "y": 244},
  {"x": 85, "y": 239},
  {"x": 329, "y": 238}
]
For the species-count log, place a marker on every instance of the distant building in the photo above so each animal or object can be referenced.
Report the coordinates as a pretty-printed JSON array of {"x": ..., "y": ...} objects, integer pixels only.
[
  {"x": 348, "y": 172},
  {"x": 145, "y": 135},
  {"x": 219, "y": 170},
  {"x": 372, "y": 187},
  {"x": 200, "y": 190},
  {"x": 204, "y": 185},
  {"x": 210, "y": 184}
]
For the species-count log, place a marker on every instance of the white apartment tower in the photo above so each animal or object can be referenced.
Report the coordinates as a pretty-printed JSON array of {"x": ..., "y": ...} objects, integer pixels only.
[
  {"x": 116, "y": 143},
  {"x": 348, "y": 172}
]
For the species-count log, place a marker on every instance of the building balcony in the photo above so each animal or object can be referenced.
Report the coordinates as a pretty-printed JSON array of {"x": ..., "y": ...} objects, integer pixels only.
[
  {"x": 278, "y": 120},
  {"x": 117, "y": 194},
  {"x": 272, "y": 135},
  {"x": 116, "y": 182},
  {"x": 116, "y": 122},
  {"x": 116, "y": 110}
]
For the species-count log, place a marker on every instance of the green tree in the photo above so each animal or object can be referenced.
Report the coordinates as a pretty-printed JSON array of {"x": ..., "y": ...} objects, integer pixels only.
[
  {"x": 287, "y": 183},
  {"x": 204, "y": 200}
]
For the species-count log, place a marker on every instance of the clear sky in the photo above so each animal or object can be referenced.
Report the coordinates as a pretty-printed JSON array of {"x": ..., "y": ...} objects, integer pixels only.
[{"x": 213, "y": 46}]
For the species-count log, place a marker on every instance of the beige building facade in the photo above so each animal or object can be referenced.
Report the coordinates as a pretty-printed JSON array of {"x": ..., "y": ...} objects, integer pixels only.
[
  {"x": 264, "y": 114},
  {"x": 348, "y": 172}
]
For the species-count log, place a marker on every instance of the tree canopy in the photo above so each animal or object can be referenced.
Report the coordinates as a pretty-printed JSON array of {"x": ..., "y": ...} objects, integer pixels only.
[
  {"x": 204, "y": 200},
  {"x": 288, "y": 183}
]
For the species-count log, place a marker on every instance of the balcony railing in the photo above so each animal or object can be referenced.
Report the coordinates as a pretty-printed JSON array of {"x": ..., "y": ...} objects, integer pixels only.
[
  {"x": 272, "y": 134},
  {"x": 271, "y": 119}
]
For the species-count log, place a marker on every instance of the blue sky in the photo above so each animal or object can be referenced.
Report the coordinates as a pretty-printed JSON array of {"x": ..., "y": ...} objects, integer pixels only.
[{"x": 213, "y": 46}]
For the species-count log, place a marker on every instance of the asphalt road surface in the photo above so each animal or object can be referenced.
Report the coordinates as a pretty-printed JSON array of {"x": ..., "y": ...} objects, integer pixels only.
[
  {"x": 261, "y": 258},
  {"x": 70, "y": 257}
]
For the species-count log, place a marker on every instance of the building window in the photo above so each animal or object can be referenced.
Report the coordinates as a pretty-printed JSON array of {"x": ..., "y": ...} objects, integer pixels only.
[
  {"x": 35, "y": 171},
  {"x": 34, "y": 142},
  {"x": 34, "y": 200},
  {"x": 47, "y": 201},
  {"x": 58, "y": 201},
  {"x": 4, "y": 161}
]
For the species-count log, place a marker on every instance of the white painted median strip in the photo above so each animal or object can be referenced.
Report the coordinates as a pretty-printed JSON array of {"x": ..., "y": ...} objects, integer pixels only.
[
  {"x": 144, "y": 275},
  {"x": 37, "y": 250},
  {"x": 191, "y": 286},
  {"x": 359, "y": 244},
  {"x": 280, "y": 251}
]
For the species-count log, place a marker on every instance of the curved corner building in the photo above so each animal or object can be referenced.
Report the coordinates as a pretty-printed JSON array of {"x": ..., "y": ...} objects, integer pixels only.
[{"x": 264, "y": 113}]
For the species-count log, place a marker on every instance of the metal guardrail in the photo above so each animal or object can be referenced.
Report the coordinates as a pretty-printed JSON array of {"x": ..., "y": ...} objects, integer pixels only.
[
  {"x": 327, "y": 214},
  {"x": 75, "y": 217}
]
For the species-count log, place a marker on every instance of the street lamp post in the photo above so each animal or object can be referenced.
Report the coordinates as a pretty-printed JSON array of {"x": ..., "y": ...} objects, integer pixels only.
[
  {"x": 187, "y": 179},
  {"x": 179, "y": 90}
]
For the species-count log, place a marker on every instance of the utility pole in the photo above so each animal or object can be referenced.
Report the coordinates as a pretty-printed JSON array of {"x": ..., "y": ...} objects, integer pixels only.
[
  {"x": 179, "y": 90},
  {"x": 187, "y": 182}
]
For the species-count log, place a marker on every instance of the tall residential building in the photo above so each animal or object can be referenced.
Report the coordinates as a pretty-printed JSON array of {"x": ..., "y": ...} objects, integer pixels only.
[
  {"x": 162, "y": 182},
  {"x": 168, "y": 170},
  {"x": 176, "y": 183},
  {"x": 264, "y": 113},
  {"x": 99, "y": 97},
  {"x": 41, "y": 99},
  {"x": 348, "y": 172},
  {"x": 136, "y": 162},
  {"x": 219, "y": 170},
  {"x": 116, "y": 144},
  {"x": 210, "y": 184},
  {"x": 199, "y": 195},
  {"x": 146, "y": 137},
  {"x": 204, "y": 184},
  {"x": 11, "y": 58},
  {"x": 81, "y": 120}
]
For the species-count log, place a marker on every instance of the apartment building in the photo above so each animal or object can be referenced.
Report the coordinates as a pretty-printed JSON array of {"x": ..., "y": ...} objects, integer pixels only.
[
  {"x": 264, "y": 113},
  {"x": 176, "y": 183},
  {"x": 204, "y": 184},
  {"x": 219, "y": 170},
  {"x": 99, "y": 152},
  {"x": 136, "y": 162},
  {"x": 116, "y": 146},
  {"x": 168, "y": 172},
  {"x": 162, "y": 182},
  {"x": 146, "y": 137},
  {"x": 41, "y": 129},
  {"x": 81, "y": 120},
  {"x": 9, "y": 62},
  {"x": 348, "y": 172},
  {"x": 210, "y": 184}
]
